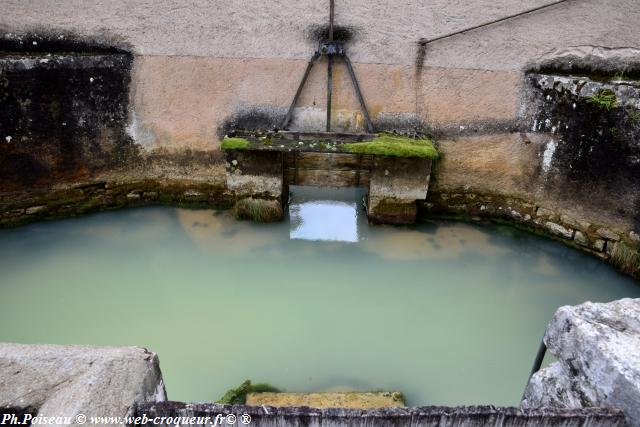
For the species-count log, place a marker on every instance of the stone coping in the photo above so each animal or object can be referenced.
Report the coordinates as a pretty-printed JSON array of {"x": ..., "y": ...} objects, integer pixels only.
[{"x": 415, "y": 416}]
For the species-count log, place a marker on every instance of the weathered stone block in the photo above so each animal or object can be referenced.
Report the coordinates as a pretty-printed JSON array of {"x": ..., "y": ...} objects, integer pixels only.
[
  {"x": 71, "y": 380},
  {"x": 395, "y": 185},
  {"x": 608, "y": 234},
  {"x": 559, "y": 230},
  {"x": 599, "y": 245},
  {"x": 35, "y": 209},
  {"x": 575, "y": 223},
  {"x": 546, "y": 213},
  {"x": 581, "y": 239},
  {"x": 255, "y": 173},
  {"x": 193, "y": 193},
  {"x": 598, "y": 359},
  {"x": 400, "y": 178},
  {"x": 392, "y": 211}
]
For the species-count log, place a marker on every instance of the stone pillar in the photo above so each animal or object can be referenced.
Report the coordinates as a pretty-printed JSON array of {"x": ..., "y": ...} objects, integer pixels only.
[
  {"x": 255, "y": 180},
  {"x": 395, "y": 185}
]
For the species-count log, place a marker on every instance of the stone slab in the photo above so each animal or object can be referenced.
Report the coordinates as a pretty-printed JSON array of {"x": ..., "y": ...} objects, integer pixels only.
[
  {"x": 65, "y": 381},
  {"x": 356, "y": 400},
  {"x": 598, "y": 350}
]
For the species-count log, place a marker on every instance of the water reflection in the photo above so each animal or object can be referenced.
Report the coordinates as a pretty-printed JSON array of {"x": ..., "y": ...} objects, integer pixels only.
[
  {"x": 325, "y": 214},
  {"x": 430, "y": 242},
  {"x": 449, "y": 313},
  {"x": 220, "y": 233}
]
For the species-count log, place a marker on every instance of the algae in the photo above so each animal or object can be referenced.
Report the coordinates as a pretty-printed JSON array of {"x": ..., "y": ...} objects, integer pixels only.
[{"x": 238, "y": 395}]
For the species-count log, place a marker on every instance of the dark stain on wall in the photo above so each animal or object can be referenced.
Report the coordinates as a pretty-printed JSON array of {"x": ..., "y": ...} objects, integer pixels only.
[
  {"x": 596, "y": 144},
  {"x": 63, "y": 111},
  {"x": 253, "y": 118},
  {"x": 318, "y": 33},
  {"x": 596, "y": 162},
  {"x": 60, "y": 42},
  {"x": 421, "y": 54}
]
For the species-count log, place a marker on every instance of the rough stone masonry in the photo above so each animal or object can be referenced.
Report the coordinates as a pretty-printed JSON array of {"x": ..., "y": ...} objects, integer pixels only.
[{"x": 66, "y": 381}]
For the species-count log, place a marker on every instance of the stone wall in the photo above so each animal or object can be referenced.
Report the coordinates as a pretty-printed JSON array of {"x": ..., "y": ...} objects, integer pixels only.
[
  {"x": 571, "y": 172},
  {"x": 202, "y": 68},
  {"x": 63, "y": 117},
  {"x": 199, "y": 65},
  {"x": 431, "y": 416}
]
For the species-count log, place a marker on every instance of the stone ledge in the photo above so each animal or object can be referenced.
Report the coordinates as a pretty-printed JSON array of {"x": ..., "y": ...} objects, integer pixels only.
[
  {"x": 64, "y": 381},
  {"x": 401, "y": 417},
  {"x": 18, "y": 209}
]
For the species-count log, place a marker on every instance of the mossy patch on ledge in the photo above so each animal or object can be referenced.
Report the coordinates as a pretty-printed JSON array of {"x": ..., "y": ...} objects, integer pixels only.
[
  {"x": 395, "y": 146},
  {"x": 238, "y": 395},
  {"x": 229, "y": 143}
]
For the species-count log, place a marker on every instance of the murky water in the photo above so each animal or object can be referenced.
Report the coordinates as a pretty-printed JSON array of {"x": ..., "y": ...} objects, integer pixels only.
[{"x": 448, "y": 313}]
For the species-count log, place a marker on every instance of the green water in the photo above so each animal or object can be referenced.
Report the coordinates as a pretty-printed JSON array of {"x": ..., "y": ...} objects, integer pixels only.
[{"x": 447, "y": 313}]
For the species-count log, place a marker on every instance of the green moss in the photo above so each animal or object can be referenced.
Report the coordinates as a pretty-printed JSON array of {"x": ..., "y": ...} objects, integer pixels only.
[
  {"x": 234, "y": 143},
  {"x": 263, "y": 388},
  {"x": 238, "y": 395},
  {"x": 395, "y": 146},
  {"x": 605, "y": 99},
  {"x": 398, "y": 396}
]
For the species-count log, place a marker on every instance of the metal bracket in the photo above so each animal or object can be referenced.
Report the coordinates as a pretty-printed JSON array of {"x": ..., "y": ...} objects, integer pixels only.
[{"x": 330, "y": 49}]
